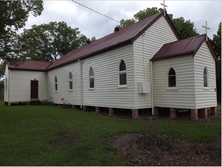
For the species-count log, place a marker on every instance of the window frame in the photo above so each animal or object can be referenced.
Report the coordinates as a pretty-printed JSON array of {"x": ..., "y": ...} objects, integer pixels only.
[
  {"x": 205, "y": 79},
  {"x": 168, "y": 78},
  {"x": 91, "y": 77},
  {"x": 121, "y": 72},
  {"x": 6, "y": 84},
  {"x": 70, "y": 81},
  {"x": 56, "y": 84}
]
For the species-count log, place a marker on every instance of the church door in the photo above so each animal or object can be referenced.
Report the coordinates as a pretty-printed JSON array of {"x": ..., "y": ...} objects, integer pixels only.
[{"x": 34, "y": 89}]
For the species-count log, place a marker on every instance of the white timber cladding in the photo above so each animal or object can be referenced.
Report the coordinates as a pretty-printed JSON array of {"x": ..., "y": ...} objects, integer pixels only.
[
  {"x": 181, "y": 96},
  {"x": 20, "y": 85},
  {"x": 6, "y": 87},
  {"x": 145, "y": 47},
  {"x": 107, "y": 92},
  {"x": 71, "y": 96},
  {"x": 205, "y": 96}
]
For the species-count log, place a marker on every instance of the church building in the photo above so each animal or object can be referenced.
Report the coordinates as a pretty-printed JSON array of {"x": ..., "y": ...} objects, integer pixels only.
[{"x": 143, "y": 66}]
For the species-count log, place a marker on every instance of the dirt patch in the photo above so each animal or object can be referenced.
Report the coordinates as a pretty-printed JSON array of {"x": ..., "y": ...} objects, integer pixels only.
[
  {"x": 65, "y": 138},
  {"x": 164, "y": 151}
]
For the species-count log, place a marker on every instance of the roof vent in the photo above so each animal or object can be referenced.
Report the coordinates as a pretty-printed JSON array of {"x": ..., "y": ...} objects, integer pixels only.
[
  {"x": 88, "y": 41},
  {"x": 116, "y": 29}
]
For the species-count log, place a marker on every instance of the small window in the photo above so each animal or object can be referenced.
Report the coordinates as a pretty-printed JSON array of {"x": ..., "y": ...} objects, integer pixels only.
[
  {"x": 122, "y": 73},
  {"x": 91, "y": 78},
  {"x": 172, "y": 78},
  {"x": 70, "y": 81},
  {"x": 56, "y": 83},
  {"x": 205, "y": 77},
  {"x": 5, "y": 83}
]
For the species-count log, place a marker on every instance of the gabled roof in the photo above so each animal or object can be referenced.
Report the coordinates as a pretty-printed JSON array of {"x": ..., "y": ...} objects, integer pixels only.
[
  {"x": 116, "y": 39},
  {"x": 182, "y": 47},
  {"x": 31, "y": 65}
]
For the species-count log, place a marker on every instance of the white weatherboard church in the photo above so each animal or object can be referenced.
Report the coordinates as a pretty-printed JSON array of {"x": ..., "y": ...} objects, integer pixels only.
[{"x": 145, "y": 65}]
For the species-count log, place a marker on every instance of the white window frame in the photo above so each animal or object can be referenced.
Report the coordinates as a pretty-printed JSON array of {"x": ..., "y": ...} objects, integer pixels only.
[
  {"x": 6, "y": 84},
  {"x": 207, "y": 86},
  {"x": 91, "y": 77},
  {"x": 70, "y": 80},
  {"x": 172, "y": 87},
  {"x": 56, "y": 84},
  {"x": 122, "y": 72}
]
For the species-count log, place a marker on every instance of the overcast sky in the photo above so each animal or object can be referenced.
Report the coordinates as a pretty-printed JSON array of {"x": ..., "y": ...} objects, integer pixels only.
[{"x": 92, "y": 24}]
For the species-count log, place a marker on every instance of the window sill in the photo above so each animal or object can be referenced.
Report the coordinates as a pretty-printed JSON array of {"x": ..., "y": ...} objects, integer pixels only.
[
  {"x": 122, "y": 86},
  {"x": 70, "y": 90},
  {"x": 172, "y": 88},
  {"x": 91, "y": 89},
  {"x": 206, "y": 88},
  {"x": 55, "y": 91}
]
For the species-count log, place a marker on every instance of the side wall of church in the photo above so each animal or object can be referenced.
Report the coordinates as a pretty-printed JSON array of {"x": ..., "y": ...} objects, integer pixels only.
[
  {"x": 71, "y": 96},
  {"x": 182, "y": 96},
  {"x": 145, "y": 47},
  {"x": 106, "y": 92},
  {"x": 6, "y": 84},
  {"x": 205, "y": 96},
  {"x": 19, "y": 85}
]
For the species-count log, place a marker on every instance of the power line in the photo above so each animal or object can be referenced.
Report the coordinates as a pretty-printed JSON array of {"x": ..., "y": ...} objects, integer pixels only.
[{"x": 95, "y": 11}]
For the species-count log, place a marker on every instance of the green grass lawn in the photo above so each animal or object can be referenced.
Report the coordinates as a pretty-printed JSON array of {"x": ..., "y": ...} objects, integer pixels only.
[{"x": 27, "y": 131}]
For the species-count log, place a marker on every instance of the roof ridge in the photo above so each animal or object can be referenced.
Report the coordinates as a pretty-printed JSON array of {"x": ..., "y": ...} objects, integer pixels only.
[
  {"x": 122, "y": 37},
  {"x": 187, "y": 44}
]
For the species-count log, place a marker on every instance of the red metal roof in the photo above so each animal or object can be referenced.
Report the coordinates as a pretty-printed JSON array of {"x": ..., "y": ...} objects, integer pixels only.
[
  {"x": 116, "y": 39},
  {"x": 181, "y": 47},
  {"x": 31, "y": 65},
  {"x": 121, "y": 37}
]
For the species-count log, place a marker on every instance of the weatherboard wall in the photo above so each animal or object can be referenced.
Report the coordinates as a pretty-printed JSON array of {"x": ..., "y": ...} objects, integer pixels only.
[
  {"x": 205, "y": 96},
  {"x": 6, "y": 89},
  {"x": 181, "y": 96},
  {"x": 20, "y": 85},
  {"x": 145, "y": 47},
  {"x": 71, "y": 96},
  {"x": 107, "y": 92}
]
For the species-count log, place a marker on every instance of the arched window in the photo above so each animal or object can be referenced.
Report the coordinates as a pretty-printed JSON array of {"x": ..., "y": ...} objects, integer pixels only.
[
  {"x": 122, "y": 73},
  {"x": 56, "y": 83},
  {"x": 172, "y": 78},
  {"x": 205, "y": 77},
  {"x": 6, "y": 84},
  {"x": 70, "y": 81},
  {"x": 91, "y": 78}
]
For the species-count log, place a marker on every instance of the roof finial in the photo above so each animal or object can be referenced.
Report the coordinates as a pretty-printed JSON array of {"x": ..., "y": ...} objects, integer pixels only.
[
  {"x": 206, "y": 29},
  {"x": 164, "y": 7}
]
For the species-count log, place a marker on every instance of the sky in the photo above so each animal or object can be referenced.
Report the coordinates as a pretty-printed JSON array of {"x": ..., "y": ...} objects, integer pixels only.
[{"x": 91, "y": 24}]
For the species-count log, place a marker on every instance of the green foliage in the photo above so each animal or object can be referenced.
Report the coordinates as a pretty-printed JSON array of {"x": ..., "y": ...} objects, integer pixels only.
[
  {"x": 216, "y": 44},
  {"x": 142, "y": 14},
  {"x": 126, "y": 23},
  {"x": 184, "y": 27},
  {"x": 27, "y": 131},
  {"x": 48, "y": 42},
  {"x": 15, "y": 13},
  {"x": 10, "y": 48},
  {"x": 13, "y": 16}
]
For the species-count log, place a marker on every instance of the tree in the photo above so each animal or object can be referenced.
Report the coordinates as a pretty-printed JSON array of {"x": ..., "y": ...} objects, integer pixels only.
[
  {"x": 48, "y": 42},
  {"x": 13, "y": 16},
  {"x": 216, "y": 44},
  {"x": 185, "y": 28}
]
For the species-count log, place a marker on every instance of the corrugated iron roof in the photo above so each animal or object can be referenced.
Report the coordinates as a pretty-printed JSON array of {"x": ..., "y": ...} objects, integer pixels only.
[
  {"x": 31, "y": 65},
  {"x": 182, "y": 47},
  {"x": 116, "y": 39}
]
